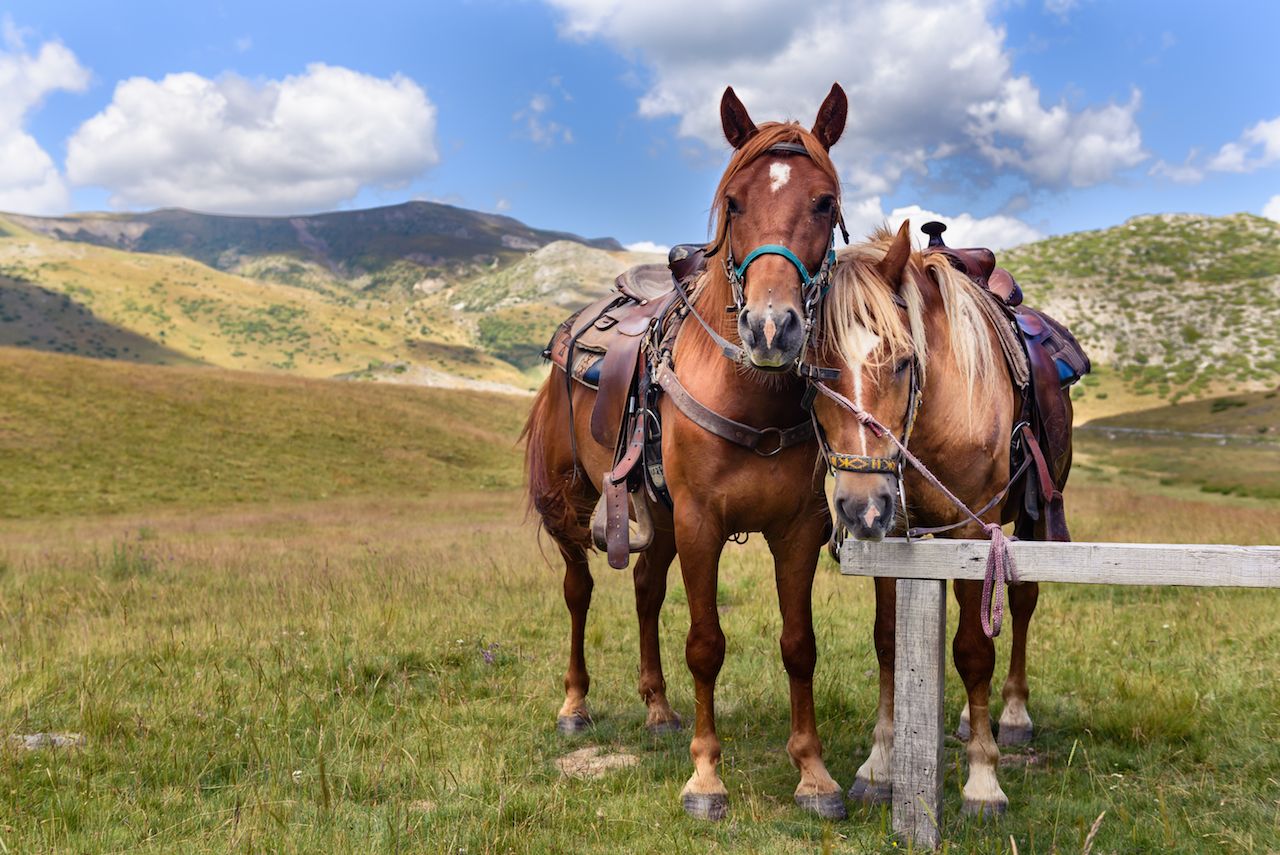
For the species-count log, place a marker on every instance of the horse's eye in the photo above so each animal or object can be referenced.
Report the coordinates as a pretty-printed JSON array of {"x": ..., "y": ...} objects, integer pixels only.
[
  {"x": 733, "y": 207},
  {"x": 824, "y": 204},
  {"x": 903, "y": 365}
]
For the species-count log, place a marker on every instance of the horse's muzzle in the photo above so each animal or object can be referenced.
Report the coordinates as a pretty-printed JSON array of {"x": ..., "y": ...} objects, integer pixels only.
[
  {"x": 869, "y": 514},
  {"x": 773, "y": 338}
]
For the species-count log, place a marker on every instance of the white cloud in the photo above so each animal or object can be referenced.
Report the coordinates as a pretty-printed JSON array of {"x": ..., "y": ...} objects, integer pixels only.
[
  {"x": 1061, "y": 8},
  {"x": 648, "y": 246},
  {"x": 29, "y": 181},
  {"x": 1257, "y": 147},
  {"x": 304, "y": 143},
  {"x": 502, "y": 205},
  {"x": 1056, "y": 146},
  {"x": 1180, "y": 173},
  {"x": 534, "y": 123},
  {"x": 926, "y": 79},
  {"x": 1271, "y": 210},
  {"x": 996, "y": 232}
]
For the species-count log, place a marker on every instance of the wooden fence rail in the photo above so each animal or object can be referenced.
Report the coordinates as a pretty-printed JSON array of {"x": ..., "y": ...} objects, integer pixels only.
[{"x": 922, "y": 568}]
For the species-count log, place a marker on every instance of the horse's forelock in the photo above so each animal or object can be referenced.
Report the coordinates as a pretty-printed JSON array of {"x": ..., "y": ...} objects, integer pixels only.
[
  {"x": 860, "y": 296},
  {"x": 769, "y": 135}
]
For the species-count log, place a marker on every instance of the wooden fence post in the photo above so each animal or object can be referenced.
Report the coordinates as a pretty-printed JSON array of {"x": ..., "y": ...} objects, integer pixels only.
[{"x": 917, "y": 707}]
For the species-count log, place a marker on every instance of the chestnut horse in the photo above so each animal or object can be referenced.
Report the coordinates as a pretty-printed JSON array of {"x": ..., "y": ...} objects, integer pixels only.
[
  {"x": 917, "y": 352},
  {"x": 780, "y": 190}
]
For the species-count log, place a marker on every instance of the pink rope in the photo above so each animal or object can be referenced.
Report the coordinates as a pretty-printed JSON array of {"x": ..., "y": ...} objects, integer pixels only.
[{"x": 999, "y": 560}]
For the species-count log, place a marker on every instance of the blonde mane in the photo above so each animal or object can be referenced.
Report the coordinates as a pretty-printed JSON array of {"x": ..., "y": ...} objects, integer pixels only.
[{"x": 862, "y": 302}]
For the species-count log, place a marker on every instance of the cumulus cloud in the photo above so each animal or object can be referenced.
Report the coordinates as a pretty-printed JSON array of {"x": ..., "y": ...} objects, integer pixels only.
[
  {"x": 307, "y": 142},
  {"x": 1272, "y": 209},
  {"x": 1259, "y": 146},
  {"x": 927, "y": 80},
  {"x": 648, "y": 246},
  {"x": 996, "y": 232},
  {"x": 1057, "y": 146},
  {"x": 29, "y": 181}
]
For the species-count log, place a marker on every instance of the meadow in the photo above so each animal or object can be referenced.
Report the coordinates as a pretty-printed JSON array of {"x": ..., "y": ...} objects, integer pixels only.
[{"x": 374, "y": 665}]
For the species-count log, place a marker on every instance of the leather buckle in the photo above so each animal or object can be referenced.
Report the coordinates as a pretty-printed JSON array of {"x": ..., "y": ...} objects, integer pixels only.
[{"x": 769, "y": 430}]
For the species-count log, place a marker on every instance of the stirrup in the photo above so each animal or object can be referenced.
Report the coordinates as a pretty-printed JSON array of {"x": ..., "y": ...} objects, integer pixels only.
[{"x": 639, "y": 529}]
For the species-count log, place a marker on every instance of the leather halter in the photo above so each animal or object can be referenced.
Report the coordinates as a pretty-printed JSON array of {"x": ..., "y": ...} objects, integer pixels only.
[
  {"x": 813, "y": 286},
  {"x": 838, "y": 461}
]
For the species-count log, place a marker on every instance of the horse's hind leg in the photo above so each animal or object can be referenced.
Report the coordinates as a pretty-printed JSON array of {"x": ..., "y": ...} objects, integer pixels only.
[
  {"x": 1015, "y": 721},
  {"x": 574, "y": 716},
  {"x": 650, "y": 576}
]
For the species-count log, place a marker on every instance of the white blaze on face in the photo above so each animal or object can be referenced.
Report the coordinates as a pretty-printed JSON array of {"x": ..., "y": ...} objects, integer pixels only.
[
  {"x": 863, "y": 342},
  {"x": 779, "y": 175}
]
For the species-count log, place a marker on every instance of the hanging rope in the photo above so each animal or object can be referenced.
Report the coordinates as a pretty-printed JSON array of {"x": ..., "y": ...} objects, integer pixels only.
[{"x": 1000, "y": 564}]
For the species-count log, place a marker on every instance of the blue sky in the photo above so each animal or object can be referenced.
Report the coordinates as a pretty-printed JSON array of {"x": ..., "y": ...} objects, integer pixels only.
[{"x": 1011, "y": 120}]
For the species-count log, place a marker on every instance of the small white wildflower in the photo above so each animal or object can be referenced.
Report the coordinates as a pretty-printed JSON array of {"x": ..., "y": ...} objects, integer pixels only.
[{"x": 297, "y": 776}]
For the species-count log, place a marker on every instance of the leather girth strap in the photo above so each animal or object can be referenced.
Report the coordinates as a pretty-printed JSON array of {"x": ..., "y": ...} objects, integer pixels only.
[{"x": 726, "y": 428}]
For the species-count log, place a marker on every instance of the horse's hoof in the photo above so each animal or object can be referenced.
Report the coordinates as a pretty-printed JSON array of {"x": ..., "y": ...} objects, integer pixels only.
[
  {"x": 984, "y": 810},
  {"x": 568, "y": 725},
  {"x": 709, "y": 806},
  {"x": 663, "y": 728},
  {"x": 963, "y": 732},
  {"x": 1014, "y": 734},
  {"x": 825, "y": 805},
  {"x": 871, "y": 793}
]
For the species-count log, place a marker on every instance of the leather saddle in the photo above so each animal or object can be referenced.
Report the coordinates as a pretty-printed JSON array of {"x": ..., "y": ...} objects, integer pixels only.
[
  {"x": 978, "y": 263},
  {"x": 1056, "y": 360},
  {"x": 602, "y": 347}
]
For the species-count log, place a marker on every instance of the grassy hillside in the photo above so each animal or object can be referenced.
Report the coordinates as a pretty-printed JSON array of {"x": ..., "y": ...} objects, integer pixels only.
[
  {"x": 86, "y": 436},
  {"x": 1227, "y": 445},
  {"x": 1177, "y": 305},
  {"x": 94, "y": 301},
  {"x": 397, "y": 244}
]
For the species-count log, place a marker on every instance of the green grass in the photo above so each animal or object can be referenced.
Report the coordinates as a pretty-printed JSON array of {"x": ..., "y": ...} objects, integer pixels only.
[
  {"x": 85, "y": 436},
  {"x": 305, "y": 678},
  {"x": 303, "y": 630},
  {"x": 1228, "y": 445}
]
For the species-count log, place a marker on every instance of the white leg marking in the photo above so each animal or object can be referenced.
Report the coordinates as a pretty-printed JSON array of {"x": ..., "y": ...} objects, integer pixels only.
[
  {"x": 878, "y": 768},
  {"x": 779, "y": 175}
]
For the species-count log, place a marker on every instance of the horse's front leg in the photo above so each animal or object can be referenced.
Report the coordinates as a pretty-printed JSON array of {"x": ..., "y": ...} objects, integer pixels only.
[
  {"x": 975, "y": 659},
  {"x": 795, "y": 558},
  {"x": 700, "y": 539},
  {"x": 873, "y": 783},
  {"x": 1015, "y": 721}
]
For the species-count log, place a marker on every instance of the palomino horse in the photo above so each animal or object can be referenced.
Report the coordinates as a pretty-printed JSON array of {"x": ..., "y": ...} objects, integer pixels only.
[
  {"x": 917, "y": 351},
  {"x": 775, "y": 212}
]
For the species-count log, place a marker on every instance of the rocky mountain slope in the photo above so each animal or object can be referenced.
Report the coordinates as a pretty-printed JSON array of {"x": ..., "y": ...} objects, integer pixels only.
[
  {"x": 397, "y": 245},
  {"x": 1170, "y": 305}
]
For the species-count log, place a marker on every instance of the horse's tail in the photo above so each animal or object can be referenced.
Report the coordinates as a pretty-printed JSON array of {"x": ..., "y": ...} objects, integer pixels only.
[{"x": 550, "y": 492}]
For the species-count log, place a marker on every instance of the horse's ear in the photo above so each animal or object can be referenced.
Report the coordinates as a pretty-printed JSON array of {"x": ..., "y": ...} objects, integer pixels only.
[
  {"x": 895, "y": 260},
  {"x": 831, "y": 117},
  {"x": 738, "y": 127}
]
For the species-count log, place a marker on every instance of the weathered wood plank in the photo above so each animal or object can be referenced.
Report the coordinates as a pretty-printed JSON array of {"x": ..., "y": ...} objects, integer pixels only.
[
  {"x": 917, "y": 721},
  {"x": 1205, "y": 565}
]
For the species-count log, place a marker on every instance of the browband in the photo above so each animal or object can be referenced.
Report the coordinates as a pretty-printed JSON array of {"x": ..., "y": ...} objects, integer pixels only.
[{"x": 790, "y": 148}]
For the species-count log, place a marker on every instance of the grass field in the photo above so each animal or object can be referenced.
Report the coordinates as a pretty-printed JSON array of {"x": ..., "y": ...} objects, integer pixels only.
[{"x": 378, "y": 669}]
